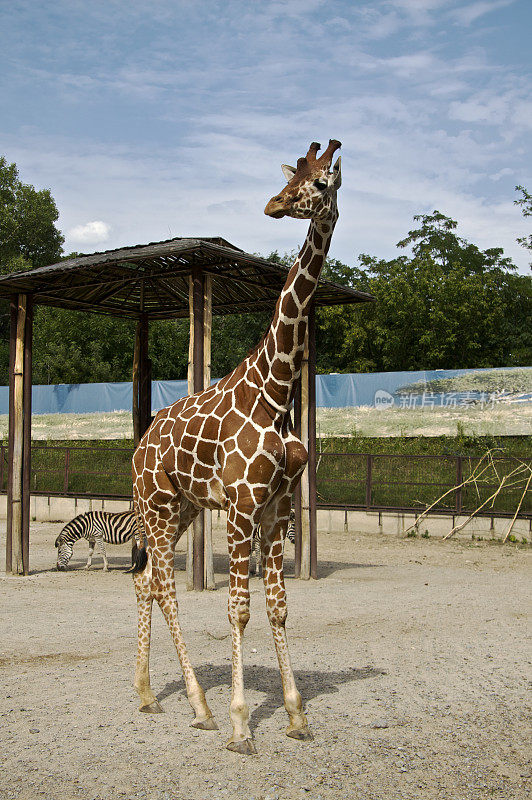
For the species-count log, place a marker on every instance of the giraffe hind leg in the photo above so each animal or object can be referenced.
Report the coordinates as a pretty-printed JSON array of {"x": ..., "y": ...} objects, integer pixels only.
[
  {"x": 157, "y": 582},
  {"x": 148, "y": 701},
  {"x": 274, "y": 525}
]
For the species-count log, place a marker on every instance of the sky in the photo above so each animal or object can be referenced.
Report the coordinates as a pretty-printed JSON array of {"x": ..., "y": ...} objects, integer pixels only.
[{"x": 172, "y": 118}]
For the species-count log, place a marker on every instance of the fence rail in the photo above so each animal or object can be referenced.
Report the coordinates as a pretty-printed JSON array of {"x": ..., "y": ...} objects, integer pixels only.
[
  {"x": 373, "y": 482},
  {"x": 394, "y": 482}
]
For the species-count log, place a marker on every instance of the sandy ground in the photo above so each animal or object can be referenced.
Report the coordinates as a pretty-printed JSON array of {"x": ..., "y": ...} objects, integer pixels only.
[{"x": 411, "y": 656}]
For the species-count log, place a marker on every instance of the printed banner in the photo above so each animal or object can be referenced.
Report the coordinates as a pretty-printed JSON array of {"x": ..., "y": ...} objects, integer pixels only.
[{"x": 429, "y": 389}]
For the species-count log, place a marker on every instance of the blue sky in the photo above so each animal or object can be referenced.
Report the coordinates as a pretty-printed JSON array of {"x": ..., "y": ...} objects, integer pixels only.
[{"x": 171, "y": 118}]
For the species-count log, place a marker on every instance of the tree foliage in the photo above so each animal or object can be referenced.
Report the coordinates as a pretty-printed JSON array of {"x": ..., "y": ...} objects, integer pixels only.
[
  {"x": 448, "y": 306},
  {"x": 525, "y": 201},
  {"x": 28, "y": 234}
]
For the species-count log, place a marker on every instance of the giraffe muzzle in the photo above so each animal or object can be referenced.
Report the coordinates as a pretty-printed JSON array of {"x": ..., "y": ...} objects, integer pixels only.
[{"x": 275, "y": 208}]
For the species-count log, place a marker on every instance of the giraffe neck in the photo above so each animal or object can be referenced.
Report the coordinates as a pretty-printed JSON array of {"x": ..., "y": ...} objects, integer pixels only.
[{"x": 280, "y": 357}]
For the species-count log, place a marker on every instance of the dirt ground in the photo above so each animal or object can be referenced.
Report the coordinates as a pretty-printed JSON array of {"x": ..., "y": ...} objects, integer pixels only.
[{"x": 411, "y": 656}]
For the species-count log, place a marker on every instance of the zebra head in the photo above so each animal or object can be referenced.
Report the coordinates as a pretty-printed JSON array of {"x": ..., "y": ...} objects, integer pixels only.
[{"x": 64, "y": 552}]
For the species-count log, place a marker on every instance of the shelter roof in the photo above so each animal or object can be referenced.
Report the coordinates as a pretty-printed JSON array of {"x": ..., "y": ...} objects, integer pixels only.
[{"x": 153, "y": 279}]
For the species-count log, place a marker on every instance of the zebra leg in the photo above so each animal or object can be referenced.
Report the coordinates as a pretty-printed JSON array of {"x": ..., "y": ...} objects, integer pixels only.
[
  {"x": 91, "y": 551},
  {"x": 255, "y": 557},
  {"x": 101, "y": 549}
]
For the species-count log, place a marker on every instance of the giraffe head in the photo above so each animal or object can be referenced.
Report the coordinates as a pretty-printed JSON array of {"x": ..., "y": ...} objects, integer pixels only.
[{"x": 311, "y": 189}]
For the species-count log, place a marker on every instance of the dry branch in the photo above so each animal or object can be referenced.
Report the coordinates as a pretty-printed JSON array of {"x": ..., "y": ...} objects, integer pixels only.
[
  {"x": 512, "y": 480},
  {"x": 519, "y": 506}
]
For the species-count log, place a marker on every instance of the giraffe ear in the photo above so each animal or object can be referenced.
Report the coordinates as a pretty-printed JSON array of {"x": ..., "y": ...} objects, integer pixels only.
[
  {"x": 288, "y": 172},
  {"x": 337, "y": 173}
]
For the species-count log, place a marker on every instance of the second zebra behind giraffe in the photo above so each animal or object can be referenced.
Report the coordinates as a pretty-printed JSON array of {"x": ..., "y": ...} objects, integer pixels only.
[
  {"x": 255, "y": 560},
  {"x": 99, "y": 528}
]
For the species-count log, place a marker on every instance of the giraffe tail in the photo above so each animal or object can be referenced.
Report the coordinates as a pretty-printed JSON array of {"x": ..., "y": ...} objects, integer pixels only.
[
  {"x": 139, "y": 555},
  {"x": 139, "y": 559}
]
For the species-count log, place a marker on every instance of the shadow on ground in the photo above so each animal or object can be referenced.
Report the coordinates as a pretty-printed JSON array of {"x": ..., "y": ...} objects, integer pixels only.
[
  {"x": 311, "y": 683},
  {"x": 221, "y": 566}
]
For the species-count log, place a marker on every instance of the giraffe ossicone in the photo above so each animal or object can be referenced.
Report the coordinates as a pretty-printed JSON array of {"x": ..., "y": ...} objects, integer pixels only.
[{"x": 232, "y": 447}]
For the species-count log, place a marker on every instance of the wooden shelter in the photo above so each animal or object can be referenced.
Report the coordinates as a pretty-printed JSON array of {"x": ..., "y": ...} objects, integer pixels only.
[{"x": 162, "y": 280}]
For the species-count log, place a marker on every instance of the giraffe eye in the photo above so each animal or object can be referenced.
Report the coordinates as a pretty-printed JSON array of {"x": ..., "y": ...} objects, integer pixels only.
[{"x": 321, "y": 185}]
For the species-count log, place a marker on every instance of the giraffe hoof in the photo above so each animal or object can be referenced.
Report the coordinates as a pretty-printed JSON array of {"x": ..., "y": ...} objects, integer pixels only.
[
  {"x": 246, "y": 747},
  {"x": 152, "y": 708},
  {"x": 205, "y": 724},
  {"x": 301, "y": 734}
]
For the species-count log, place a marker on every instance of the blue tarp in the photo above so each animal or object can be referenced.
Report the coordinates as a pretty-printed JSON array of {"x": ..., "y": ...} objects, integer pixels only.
[{"x": 377, "y": 389}]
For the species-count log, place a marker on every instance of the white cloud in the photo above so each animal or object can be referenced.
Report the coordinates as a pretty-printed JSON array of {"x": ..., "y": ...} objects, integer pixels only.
[
  {"x": 90, "y": 233},
  {"x": 189, "y": 140},
  {"x": 473, "y": 11}
]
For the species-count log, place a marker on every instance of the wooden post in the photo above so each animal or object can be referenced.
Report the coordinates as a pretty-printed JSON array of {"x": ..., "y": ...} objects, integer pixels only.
[
  {"x": 26, "y": 453},
  {"x": 190, "y": 379},
  {"x": 198, "y": 302},
  {"x": 196, "y": 559},
  {"x": 207, "y": 514},
  {"x": 144, "y": 377},
  {"x": 297, "y": 493},
  {"x": 12, "y": 344},
  {"x": 17, "y": 427},
  {"x": 305, "y": 487},
  {"x": 135, "y": 387},
  {"x": 313, "y": 527}
]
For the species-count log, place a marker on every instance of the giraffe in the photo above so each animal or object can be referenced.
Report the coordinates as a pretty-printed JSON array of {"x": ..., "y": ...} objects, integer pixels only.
[{"x": 231, "y": 447}]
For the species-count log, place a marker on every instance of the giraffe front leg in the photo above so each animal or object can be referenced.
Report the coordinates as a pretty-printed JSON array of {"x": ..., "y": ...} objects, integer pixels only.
[
  {"x": 274, "y": 528},
  {"x": 240, "y": 530}
]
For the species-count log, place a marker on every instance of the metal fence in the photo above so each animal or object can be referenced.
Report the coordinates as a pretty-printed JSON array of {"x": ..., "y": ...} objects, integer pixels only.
[
  {"x": 374, "y": 482},
  {"x": 389, "y": 482},
  {"x": 100, "y": 472}
]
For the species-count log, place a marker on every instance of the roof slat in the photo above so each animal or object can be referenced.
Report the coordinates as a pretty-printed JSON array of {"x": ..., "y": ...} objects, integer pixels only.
[{"x": 109, "y": 282}]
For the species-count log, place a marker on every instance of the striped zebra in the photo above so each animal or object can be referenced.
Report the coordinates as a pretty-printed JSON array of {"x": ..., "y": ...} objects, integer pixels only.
[
  {"x": 99, "y": 528},
  {"x": 255, "y": 561}
]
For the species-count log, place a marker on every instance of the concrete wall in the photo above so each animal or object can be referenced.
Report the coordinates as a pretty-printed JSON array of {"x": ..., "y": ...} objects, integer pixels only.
[
  {"x": 437, "y": 526},
  {"x": 63, "y": 509}
]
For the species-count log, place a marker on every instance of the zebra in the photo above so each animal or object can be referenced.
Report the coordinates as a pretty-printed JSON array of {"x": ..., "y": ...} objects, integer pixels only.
[
  {"x": 98, "y": 527},
  {"x": 255, "y": 561}
]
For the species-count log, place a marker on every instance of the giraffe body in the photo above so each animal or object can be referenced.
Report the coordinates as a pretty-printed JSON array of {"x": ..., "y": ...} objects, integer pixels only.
[{"x": 231, "y": 447}]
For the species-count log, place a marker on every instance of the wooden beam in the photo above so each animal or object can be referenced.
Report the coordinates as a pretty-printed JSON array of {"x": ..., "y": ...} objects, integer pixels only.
[
  {"x": 313, "y": 529},
  {"x": 198, "y": 303},
  {"x": 207, "y": 514},
  {"x": 26, "y": 452},
  {"x": 17, "y": 412},
  {"x": 12, "y": 345},
  {"x": 190, "y": 379},
  {"x": 144, "y": 377},
  {"x": 197, "y": 364},
  {"x": 136, "y": 407},
  {"x": 297, "y": 493},
  {"x": 305, "y": 488}
]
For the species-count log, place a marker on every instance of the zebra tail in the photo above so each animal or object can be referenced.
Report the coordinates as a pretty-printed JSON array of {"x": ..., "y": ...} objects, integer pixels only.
[{"x": 139, "y": 559}]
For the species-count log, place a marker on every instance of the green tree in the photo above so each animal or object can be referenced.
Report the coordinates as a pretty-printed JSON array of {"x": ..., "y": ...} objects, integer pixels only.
[
  {"x": 525, "y": 201},
  {"x": 449, "y": 305},
  {"x": 78, "y": 347},
  {"x": 28, "y": 234},
  {"x": 28, "y": 237}
]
